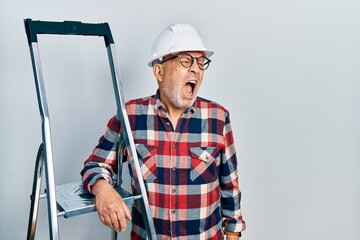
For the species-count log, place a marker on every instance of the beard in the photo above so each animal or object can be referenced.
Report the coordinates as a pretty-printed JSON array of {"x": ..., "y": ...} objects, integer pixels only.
[{"x": 173, "y": 94}]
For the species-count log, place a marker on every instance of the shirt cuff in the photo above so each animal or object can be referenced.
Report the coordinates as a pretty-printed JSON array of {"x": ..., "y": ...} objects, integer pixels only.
[
  {"x": 97, "y": 177},
  {"x": 232, "y": 225}
]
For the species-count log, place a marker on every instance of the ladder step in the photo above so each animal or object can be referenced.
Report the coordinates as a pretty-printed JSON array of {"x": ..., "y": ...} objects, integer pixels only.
[{"x": 72, "y": 200}]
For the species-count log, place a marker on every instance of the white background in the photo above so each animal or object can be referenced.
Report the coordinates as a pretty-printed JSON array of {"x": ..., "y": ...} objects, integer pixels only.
[{"x": 288, "y": 71}]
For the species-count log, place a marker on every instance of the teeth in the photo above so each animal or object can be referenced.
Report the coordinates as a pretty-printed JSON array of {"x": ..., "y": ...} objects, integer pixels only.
[{"x": 192, "y": 81}]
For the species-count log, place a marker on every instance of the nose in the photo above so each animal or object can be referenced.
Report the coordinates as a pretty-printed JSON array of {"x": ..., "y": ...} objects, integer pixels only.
[{"x": 195, "y": 67}]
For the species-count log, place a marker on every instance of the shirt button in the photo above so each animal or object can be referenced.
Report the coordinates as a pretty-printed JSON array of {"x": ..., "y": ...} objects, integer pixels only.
[
  {"x": 173, "y": 211},
  {"x": 174, "y": 190},
  {"x": 174, "y": 168},
  {"x": 168, "y": 123}
]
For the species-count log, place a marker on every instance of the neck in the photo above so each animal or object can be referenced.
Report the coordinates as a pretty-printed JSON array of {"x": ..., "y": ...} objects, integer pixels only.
[{"x": 174, "y": 114}]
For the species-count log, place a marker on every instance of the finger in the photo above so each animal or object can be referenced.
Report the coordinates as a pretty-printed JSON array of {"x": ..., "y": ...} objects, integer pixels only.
[
  {"x": 115, "y": 222},
  {"x": 127, "y": 211},
  {"x": 102, "y": 219},
  {"x": 107, "y": 221},
  {"x": 122, "y": 222}
]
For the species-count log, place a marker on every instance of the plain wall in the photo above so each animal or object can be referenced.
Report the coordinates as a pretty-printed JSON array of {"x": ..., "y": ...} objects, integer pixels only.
[{"x": 288, "y": 71}]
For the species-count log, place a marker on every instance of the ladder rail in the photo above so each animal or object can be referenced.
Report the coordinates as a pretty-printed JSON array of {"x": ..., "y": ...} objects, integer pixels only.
[
  {"x": 35, "y": 195},
  {"x": 46, "y": 139},
  {"x": 129, "y": 142}
]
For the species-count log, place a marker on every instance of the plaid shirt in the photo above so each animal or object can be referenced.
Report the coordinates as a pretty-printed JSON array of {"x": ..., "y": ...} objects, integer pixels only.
[{"x": 190, "y": 172}]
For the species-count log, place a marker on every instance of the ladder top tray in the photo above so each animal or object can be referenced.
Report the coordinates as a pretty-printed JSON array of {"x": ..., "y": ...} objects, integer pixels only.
[{"x": 72, "y": 200}]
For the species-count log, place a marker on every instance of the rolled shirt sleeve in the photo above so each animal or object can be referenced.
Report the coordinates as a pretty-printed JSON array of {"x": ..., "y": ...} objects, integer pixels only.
[
  {"x": 229, "y": 183},
  {"x": 102, "y": 163}
]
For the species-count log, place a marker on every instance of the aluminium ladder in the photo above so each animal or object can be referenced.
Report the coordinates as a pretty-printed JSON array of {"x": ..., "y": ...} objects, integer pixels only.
[{"x": 69, "y": 199}]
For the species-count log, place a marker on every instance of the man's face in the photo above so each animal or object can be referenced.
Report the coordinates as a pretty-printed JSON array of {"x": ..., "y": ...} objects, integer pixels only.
[{"x": 178, "y": 85}]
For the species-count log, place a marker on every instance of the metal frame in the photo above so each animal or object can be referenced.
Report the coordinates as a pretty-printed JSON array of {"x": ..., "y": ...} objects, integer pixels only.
[{"x": 45, "y": 156}]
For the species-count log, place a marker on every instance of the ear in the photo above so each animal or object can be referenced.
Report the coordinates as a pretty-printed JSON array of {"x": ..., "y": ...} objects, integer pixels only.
[{"x": 158, "y": 72}]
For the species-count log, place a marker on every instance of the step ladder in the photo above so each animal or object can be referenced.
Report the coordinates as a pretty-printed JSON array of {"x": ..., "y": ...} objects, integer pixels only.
[{"x": 70, "y": 200}]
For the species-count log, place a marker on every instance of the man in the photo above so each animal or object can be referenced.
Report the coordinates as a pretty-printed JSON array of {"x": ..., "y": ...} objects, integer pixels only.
[{"x": 186, "y": 145}]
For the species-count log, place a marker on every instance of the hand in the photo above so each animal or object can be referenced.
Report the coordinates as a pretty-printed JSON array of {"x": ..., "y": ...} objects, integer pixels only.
[
  {"x": 111, "y": 208},
  {"x": 232, "y": 237}
]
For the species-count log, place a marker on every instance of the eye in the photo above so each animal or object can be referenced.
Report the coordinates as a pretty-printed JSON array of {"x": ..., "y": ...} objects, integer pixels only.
[
  {"x": 201, "y": 61},
  {"x": 186, "y": 60}
]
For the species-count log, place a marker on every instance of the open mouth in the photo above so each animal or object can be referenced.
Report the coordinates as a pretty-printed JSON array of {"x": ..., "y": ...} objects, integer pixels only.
[{"x": 190, "y": 87}]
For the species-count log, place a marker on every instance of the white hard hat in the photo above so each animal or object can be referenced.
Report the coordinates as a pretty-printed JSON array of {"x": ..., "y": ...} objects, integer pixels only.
[{"x": 178, "y": 37}]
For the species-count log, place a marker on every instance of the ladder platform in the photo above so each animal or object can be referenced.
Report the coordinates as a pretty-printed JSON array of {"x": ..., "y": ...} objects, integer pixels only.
[{"x": 72, "y": 200}]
